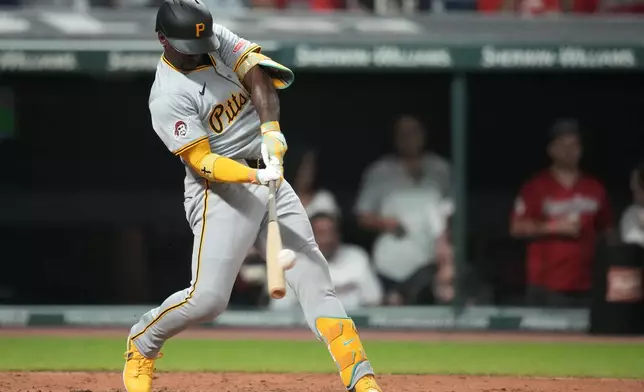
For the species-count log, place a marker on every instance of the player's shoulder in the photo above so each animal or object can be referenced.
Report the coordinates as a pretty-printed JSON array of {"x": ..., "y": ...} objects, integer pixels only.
[
  {"x": 170, "y": 103},
  {"x": 174, "y": 97},
  {"x": 168, "y": 86},
  {"x": 231, "y": 46},
  {"x": 228, "y": 40}
]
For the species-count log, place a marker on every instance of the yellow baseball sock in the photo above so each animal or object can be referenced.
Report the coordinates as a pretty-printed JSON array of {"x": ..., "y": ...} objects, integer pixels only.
[{"x": 343, "y": 342}]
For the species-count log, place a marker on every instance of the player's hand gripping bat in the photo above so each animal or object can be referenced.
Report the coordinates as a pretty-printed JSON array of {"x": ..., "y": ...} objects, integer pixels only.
[{"x": 276, "y": 284}]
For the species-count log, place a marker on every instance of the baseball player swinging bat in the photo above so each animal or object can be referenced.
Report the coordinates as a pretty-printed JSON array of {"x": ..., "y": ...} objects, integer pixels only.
[{"x": 214, "y": 104}]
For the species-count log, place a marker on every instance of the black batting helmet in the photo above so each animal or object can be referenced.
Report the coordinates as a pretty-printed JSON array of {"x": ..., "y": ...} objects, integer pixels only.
[{"x": 187, "y": 25}]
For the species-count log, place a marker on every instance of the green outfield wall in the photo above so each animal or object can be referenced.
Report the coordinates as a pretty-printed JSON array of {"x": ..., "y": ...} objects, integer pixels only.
[{"x": 432, "y": 318}]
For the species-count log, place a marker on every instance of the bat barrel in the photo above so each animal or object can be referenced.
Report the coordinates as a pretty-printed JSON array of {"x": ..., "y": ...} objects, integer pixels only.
[{"x": 276, "y": 282}]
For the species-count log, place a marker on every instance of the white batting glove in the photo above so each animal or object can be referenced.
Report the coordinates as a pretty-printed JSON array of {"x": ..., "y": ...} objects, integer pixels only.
[
  {"x": 270, "y": 160},
  {"x": 270, "y": 173},
  {"x": 273, "y": 140}
]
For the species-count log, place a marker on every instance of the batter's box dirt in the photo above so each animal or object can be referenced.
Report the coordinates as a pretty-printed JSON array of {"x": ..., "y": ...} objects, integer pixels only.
[{"x": 239, "y": 382}]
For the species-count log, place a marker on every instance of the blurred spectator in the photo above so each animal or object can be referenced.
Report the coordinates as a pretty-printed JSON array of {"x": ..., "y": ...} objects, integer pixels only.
[
  {"x": 355, "y": 282},
  {"x": 621, "y": 6},
  {"x": 403, "y": 198},
  {"x": 226, "y": 6},
  {"x": 311, "y": 5},
  {"x": 632, "y": 222},
  {"x": 302, "y": 173},
  {"x": 326, "y": 5},
  {"x": 536, "y": 7},
  {"x": 561, "y": 210},
  {"x": 249, "y": 288}
]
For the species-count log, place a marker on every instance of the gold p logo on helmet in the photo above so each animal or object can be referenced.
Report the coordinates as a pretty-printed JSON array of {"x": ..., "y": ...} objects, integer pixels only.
[{"x": 199, "y": 28}]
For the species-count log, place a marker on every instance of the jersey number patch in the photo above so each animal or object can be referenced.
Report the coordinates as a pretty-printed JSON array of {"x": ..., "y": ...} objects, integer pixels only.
[{"x": 222, "y": 115}]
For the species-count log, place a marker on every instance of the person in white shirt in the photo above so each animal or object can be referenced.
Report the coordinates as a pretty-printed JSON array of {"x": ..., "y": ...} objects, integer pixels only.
[
  {"x": 356, "y": 284},
  {"x": 302, "y": 173},
  {"x": 632, "y": 222},
  {"x": 405, "y": 198}
]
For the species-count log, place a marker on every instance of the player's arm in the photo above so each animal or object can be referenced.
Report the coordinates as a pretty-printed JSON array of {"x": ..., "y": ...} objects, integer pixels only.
[
  {"x": 264, "y": 97},
  {"x": 263, "y": 94},
  {"x": 262, "y": 77},
  {"x": 176, "y": 121},
  {"x": 241, "y": 56},
  {"x": 214, "y": 167}
]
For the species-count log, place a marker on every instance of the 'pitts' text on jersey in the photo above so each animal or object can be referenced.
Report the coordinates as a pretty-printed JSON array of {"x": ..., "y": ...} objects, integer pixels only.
[{"x": 223, "y": 115}]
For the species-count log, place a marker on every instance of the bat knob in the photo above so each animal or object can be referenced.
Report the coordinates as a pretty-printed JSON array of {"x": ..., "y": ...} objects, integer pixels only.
[{"x": 278, "y": 293}]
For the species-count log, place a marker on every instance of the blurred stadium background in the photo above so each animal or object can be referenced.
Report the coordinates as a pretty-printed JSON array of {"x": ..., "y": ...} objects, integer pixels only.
[{"x": 480, "y": 85}]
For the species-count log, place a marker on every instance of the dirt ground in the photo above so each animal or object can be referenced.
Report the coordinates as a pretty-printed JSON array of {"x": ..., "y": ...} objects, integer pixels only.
[{"x": 236, "y": 382}]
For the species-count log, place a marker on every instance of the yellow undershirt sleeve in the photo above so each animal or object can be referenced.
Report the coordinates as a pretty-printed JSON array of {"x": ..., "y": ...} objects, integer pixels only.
[{"x": 214, "y": 167}]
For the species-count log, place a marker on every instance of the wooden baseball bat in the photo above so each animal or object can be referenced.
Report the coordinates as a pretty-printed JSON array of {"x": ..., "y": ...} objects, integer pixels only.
[{"x": 276, "y": 283}]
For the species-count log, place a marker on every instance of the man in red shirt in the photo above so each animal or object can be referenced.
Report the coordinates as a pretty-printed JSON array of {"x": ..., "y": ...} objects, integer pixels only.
[{"x": 561, "y": 211}]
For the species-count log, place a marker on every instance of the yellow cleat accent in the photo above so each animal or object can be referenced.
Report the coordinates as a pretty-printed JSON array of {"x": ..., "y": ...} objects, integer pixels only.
[
  {"x": 367, "y": 384},
  {"x": 138, "y": 371}
]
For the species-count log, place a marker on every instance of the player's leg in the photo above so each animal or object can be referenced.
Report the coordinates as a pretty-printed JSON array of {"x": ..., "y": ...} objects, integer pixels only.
[
  {"x": 225, "y": 228},
  {"x": 311, "y": 282}
]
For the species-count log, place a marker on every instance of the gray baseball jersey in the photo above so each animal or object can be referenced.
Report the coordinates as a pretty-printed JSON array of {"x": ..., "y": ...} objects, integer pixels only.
[
  {"x": 227, "y": 219},
  {"x": 209, "y": 102}
]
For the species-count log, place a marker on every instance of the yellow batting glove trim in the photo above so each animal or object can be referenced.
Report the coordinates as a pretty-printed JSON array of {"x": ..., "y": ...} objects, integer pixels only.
[
  {"x": 273, "y": 138},
  {"x": 342, "y": 340},
  {"x": 277, "y": 150},
  {"x": 271, "y": 126}
]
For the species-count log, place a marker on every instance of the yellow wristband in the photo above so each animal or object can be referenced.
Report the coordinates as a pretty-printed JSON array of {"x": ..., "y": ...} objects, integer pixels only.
[{"x": 271, "y": 126}]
